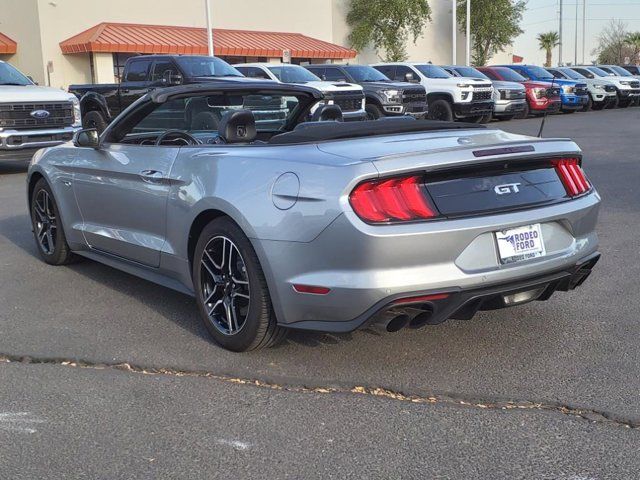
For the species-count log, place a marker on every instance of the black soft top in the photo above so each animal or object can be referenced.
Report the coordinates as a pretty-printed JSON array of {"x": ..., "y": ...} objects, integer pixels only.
[{"x": 322, "y": 131}]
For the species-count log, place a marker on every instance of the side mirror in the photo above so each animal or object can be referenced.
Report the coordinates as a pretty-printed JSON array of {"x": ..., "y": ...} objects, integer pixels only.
[
  {"x": 409, "y": 77},
  {"x": 87, "y": 138},
  {"x": 171, "y": 78}
]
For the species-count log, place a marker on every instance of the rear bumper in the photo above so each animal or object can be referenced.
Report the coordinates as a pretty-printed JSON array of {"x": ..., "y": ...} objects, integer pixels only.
[{"x": 365, "y": 267}]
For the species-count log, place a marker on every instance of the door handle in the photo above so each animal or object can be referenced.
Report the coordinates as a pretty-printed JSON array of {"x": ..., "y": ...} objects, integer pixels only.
[{"x": 151, "y": 176}]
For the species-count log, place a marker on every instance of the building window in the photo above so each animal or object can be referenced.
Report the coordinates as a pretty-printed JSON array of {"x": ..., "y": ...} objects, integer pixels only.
[{"x": 119, "y": 59}]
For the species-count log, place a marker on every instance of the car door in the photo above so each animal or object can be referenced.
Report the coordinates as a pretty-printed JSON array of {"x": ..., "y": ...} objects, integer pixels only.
[
  {"x": 122, "y": 191},
  {"x": 136, "y": 81}
]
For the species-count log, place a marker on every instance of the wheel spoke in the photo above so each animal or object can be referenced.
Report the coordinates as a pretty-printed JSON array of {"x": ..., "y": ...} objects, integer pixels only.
[
  {"x": 231, "y": 317},
  {"x": 50, "y": 243},
  {"x": 215, "y": 305},
  {"x": 241, "y": 295},
  {"x": 211, "y": 294}
]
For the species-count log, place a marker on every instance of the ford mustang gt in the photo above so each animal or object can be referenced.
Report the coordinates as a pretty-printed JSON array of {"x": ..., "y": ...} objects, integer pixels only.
[{"x": 275, "y": 221}]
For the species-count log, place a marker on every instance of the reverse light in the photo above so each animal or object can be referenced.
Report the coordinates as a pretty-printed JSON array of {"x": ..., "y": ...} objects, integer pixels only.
[
  {"x": 572, "y": 176},
  {"x": 394, "y": 199}
]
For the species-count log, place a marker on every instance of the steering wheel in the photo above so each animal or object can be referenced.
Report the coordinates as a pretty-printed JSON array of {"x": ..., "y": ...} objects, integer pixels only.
[{"x": 177, "y": 135}]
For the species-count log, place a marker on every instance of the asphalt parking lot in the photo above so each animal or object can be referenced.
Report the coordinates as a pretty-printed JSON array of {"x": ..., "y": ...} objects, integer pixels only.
[{"x": 103, "y": 375}]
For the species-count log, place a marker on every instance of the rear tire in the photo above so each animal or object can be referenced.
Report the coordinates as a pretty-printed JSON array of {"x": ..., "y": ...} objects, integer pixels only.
[
  {"x": 231, "y": 290},
  {"x": 441, "y": 110},
  {"x": 94, "y": 119},
  {"x": 47, "y": 227}
]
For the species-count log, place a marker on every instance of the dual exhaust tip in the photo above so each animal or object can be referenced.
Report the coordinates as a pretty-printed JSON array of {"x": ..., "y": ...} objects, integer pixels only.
[{"x": 403, "y": 320}]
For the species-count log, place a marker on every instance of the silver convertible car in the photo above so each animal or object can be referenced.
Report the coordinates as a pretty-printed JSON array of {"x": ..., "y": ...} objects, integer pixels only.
[{"x": 276, "y": 221}]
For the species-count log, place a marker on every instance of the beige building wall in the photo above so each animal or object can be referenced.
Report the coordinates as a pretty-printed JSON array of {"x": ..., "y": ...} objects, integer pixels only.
[{"x": 40, "y": 25}]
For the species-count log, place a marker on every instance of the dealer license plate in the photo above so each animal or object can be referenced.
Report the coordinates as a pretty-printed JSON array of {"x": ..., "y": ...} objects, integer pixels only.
[{"x": 522, "y": 243}]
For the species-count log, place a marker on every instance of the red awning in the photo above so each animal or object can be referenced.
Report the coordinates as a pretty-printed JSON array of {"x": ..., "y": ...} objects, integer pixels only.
[
  {"x": 135, "y": 38},
  {"x": 7, "y": 46}
]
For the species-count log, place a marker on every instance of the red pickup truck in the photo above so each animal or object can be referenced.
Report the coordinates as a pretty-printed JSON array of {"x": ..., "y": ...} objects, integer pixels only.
[{"x": 541, "y": 96}]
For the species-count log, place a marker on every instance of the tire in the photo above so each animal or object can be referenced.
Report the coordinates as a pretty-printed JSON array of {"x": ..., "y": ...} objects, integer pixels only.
[
  {"x": 204, "y": 121},
  {"x": 47, "y": 227},
  {"x": 614, "y": 104},
  {"x": 588, "y": 106},
  {"x": 506, "y": 118},
  {"x": 524, "y": 113},
  {"x": 94, "y": 119},
  {"x": 599, "y": 105},
  {"x": 238, "y": 323},
  {"x": 482, "y": 119},
  {"x": 373, "y": 111},
  {"x": 624, "y": 103},
  {"x": 441, "y": 109},
  {"x": 568, "y": 112}
]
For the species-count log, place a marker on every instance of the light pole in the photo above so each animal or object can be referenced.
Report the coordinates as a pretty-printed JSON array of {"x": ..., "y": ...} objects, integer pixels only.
[
  {"x": 209, "y": 28},
  {"x": 575, "y": 50},
  {"x": 468, "y": 32},
  {"x": 560, "y": 37},
  {"x": 454, "y": 28},
  {"x": 584, "y": 28}
]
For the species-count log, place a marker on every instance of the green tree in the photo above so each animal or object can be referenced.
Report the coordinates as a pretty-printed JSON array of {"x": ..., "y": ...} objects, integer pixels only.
[
  {"x": 494, "y": 25},
  {"x": 548, "y": 41},
  {"x": 633, "y": 40},
  {"x": 612, "y": 43},
  {"x": 387, "y": 25}
]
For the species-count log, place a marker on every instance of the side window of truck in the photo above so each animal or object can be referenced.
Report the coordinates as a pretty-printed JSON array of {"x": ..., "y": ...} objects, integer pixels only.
[
  {"x": 138, "y": 71},
  {"x": 164, "y": 70},
  {"x": 388, "y": 70},
  {"x": 333, "y": 74},
  {"x": 401, "y": 74}
]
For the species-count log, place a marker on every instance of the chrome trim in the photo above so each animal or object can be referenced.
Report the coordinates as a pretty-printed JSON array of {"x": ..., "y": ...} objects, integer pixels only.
[{"x": 5, "y": 135}]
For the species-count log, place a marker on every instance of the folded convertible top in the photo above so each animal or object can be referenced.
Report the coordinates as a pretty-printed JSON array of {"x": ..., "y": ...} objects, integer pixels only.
[{"x": 323, "y": 131}]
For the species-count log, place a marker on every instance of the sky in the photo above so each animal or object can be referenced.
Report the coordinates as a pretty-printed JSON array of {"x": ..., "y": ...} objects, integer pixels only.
[{"x": 543, "y": 16}]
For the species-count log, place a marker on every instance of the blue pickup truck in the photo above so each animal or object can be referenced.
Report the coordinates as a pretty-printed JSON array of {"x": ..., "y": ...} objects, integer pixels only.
[{"x": 574, "y": 95}]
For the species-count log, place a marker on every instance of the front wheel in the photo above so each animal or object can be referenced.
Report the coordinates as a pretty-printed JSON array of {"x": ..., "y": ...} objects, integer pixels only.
[
  {"x": 589, "y": 105},
  {"x": 441, "y": 110},
  {"x": 47, "y": 226},
  {"x": 525, "y": 112},
  {"x": 231, "y": 290},
  {"x": 373, "y": 111}
]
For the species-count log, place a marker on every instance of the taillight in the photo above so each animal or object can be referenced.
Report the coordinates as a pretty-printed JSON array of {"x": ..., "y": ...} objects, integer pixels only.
[
  {"x": 572, "y": 176},
  {"x": 394, "y": 199}
]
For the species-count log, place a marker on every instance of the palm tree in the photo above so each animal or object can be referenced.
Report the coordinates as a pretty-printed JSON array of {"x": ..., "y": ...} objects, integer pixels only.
[
  {"x": 633, "y": 40},
  {"x": 548, "y": 41}
]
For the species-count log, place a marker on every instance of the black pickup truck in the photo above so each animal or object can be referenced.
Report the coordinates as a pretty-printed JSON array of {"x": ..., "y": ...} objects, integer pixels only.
[
  {"x": 383, "y": 97},
  {"x": 100, "y": 103}
]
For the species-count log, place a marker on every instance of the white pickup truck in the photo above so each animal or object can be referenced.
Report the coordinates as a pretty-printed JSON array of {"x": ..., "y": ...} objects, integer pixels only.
[
  {"x": 449, "y": 98},
  {"x": 33, "y": 117}
]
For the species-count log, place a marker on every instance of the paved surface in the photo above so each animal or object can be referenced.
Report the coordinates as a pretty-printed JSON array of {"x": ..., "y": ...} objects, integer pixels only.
[{"x": 571, "y": 363}]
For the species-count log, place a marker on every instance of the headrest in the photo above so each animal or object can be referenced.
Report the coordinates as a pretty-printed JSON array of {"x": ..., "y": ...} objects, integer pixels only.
[
  {"x": 238, "y": 126},
  {"x": 327, "y": 113}
]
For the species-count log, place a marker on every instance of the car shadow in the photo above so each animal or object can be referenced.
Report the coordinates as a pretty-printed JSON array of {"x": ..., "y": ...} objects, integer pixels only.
[{"x": 169, "y": 304}]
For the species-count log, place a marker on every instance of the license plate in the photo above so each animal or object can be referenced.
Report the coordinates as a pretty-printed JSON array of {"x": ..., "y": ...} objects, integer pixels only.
[{"x": 522, "y": 243}]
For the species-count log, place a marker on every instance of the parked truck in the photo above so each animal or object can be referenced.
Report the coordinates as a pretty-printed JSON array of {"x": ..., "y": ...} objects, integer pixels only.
[
  {"x": 33, "y": 117},
  {"x": 100, "y": 103},
  {"x": 449, "y": 97}
]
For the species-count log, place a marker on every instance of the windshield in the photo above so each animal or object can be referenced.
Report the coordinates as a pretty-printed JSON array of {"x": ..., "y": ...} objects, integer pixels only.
[
  {"x": 206, "y": 67},
  {"x": 11, "y": 76},
  {"x": 361, "y": 73},
  {"x": 432, "y": 71},
  {"x": 572, "y": 74},
  {"x": 470, "y": 72},
  {"x": 620, "y": 71},
  {"x": 599, "y": 72},
  {"x": 293, "y": 74},
  {"x": 510, "y": 75},
  {"x": 539, "y": 72}
]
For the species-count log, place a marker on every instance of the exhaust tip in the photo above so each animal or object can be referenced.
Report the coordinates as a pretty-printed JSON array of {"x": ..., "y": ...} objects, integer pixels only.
[
  {"x": 397, "y": 323},
  {"x": 425, "y": 318}
]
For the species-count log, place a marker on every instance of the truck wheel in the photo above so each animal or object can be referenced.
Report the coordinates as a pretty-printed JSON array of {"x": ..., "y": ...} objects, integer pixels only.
[
  {"x": 613, "y": 104},
  {"x": 231, "y": 290},
  {"x": 441, "y": 110},
  {"x": 588, "y": 106},
  {"x": 373, "y": 112},
  {"x": 505, "y": 118},
  {"x": 94, "y": 119},
  {"x": 524, "y": 113}
]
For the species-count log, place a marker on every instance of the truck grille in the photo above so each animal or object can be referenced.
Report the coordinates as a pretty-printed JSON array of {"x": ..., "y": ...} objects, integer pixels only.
[
  {"x": 609, "y": 88},
  {"x": 414, "y": 96},
  {"x": 581, "y": 90},
  {"x": 479, "y": 96},
  {"x": 553, "y": 92},
  {"x": 512, "y": 94},
  {"x": 19, "y": 115},
  {"x": 634, "y": 84}
]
